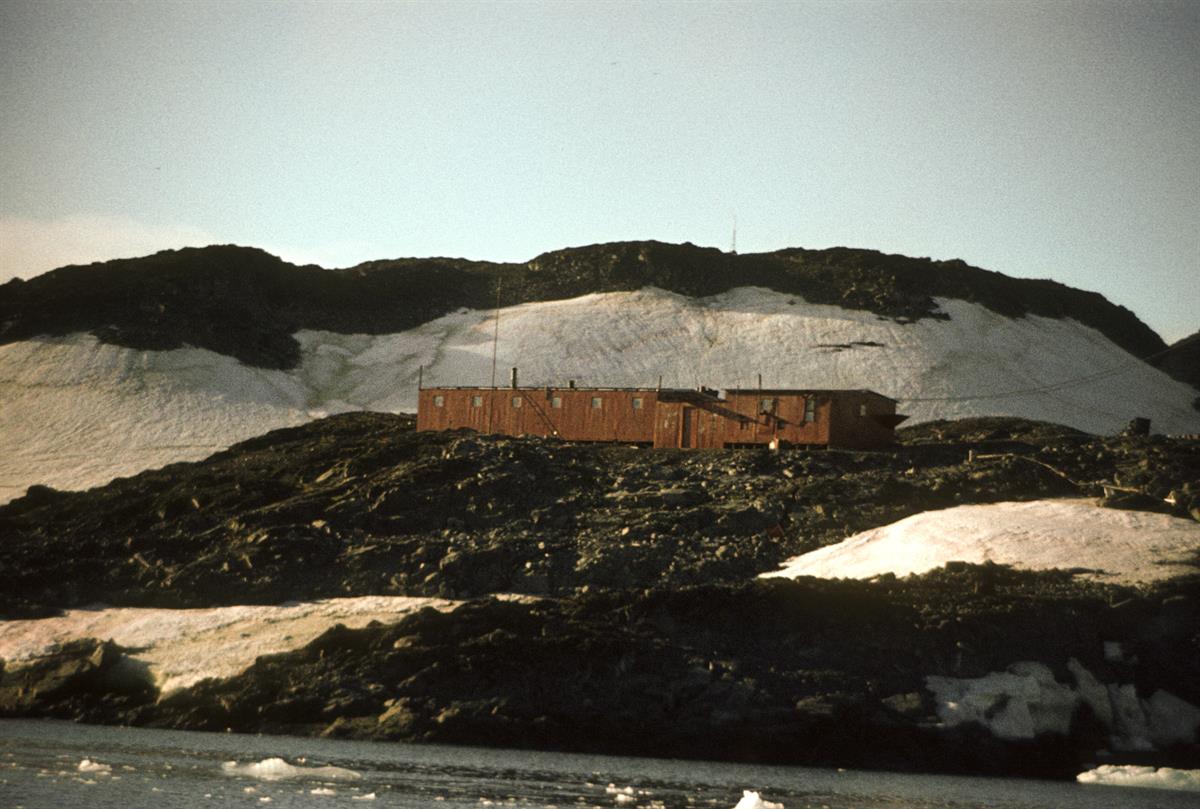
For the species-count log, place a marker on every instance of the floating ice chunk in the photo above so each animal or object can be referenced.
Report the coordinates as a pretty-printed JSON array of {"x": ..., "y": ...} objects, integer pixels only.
[
  {"x": 276, "y": 769},
  {"x": 87, "y": 765},
  {"x": 370, "y": 796},
  {"x": 752, "y": 800},
  {"x": 1128, "y": 775},
  {"x": 613, "y": 789},
  {"x": 322, "y": 791}
]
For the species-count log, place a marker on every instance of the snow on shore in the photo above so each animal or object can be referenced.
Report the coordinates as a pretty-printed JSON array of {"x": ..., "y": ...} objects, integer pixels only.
[
  {"x": 182, "y": 647},
  {"x": 1125, "y": 547},
  {"x": 1129, "y": 775},
  {"x": 75, "y": 413}
]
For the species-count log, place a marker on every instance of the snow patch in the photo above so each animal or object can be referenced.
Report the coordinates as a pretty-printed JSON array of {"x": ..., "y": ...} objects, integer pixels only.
[
  {"x": 276, "y": 769},
  {"x": 1127, "y": 775},
  {"x": 182, "y": 647},
  {"x": 75, "y": 413},
  {"x": 1111, "y": 545}
]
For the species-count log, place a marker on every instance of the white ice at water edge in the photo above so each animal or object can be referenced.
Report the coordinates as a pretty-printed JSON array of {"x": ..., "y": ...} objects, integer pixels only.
[
  {"x": 75, "y": 413},
  {"x": 1127, "y": 775},
  {"x": 752, "y": 800},
  {"x": 277, "y": 769}
]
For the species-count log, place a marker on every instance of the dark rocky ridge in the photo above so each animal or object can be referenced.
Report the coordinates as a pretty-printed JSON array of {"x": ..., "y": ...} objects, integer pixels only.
[
  {"x": 1182, "y": 361},
  {"x": 247, "y": 304},
  {"x": 361, "y": 504}
]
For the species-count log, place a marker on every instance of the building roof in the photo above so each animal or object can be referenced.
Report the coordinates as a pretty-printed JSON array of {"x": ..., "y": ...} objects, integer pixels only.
[{"x": 673, "y": 393}]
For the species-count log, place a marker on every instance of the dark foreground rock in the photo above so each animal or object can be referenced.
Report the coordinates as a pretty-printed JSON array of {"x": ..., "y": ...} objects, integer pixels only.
[
  {"x": 360, "y": 504},
  {"x": 642, "y": 629},
  {"x": 810, "y": 672}
]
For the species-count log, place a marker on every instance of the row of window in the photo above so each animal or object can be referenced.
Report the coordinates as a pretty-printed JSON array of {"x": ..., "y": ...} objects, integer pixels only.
[{"x": 556, "y": 402}]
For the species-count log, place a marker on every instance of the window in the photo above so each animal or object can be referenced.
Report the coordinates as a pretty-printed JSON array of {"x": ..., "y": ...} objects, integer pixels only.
[
  {"x": 556, "y": 403},
  {"x": 597, "y": 403},
  {"x": 439, "y": 401},
  {"x": 766, "y": 405},
  {"x": 516, "y": 401},
  {"x": 862, "y": 410},
  {"x": 810, "y": 410},
  {"x": 476, "y": 401},
  {"x": 637, "y": 403}
]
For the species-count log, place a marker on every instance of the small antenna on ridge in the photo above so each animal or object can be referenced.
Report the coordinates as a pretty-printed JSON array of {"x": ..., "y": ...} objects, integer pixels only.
[{"x": 733, "y": 244}]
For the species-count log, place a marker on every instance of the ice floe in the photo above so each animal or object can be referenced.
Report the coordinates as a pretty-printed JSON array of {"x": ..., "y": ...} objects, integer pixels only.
[
  {"x": 1127, "y": 775},
  {"x": 277, "y": 769}
]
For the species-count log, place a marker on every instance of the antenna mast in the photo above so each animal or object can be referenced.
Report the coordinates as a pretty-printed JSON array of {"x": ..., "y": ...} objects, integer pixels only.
[
  {"x": 733, "y": 245},
  {"x": 495, "y": 343}
]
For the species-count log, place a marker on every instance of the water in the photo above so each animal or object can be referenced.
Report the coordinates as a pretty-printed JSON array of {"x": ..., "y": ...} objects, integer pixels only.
[{"x": 154, "y": 769}]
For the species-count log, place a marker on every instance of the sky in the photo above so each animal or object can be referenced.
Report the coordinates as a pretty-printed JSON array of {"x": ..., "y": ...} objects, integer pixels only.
[{"x": 1043, "y": 140}]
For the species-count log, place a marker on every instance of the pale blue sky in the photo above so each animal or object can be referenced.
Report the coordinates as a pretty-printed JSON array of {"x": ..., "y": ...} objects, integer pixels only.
[{"x": 1057, "y": 140}]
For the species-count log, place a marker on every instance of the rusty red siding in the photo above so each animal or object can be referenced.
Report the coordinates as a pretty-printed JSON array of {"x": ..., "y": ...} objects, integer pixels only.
[{"x": 694, "y": 419}]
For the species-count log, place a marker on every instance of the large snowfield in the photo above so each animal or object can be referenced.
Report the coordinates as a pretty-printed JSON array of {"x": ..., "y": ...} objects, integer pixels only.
[
  {"x": 75, "y": 413},
  {"x": 1118, "y": 547}
]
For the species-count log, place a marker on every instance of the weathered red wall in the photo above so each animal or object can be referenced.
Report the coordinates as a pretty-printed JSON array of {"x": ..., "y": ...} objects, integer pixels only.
[
  {"x": 576, "y": 420},
  {"x": 665, "y": 419}
]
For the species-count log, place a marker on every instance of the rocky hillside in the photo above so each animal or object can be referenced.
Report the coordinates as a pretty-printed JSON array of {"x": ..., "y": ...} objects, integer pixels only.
[
  {"x": 1182, "y": 361},
  {"x": 641, "y": 627},
  {"x": 361, "y": 504},
  {"x": 245, "y": 303}
]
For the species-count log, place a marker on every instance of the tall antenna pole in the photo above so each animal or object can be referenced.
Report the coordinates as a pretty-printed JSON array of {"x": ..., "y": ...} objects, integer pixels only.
[
  {"x": 733, "y": 245},
  {"x": 495, "y": 343}
]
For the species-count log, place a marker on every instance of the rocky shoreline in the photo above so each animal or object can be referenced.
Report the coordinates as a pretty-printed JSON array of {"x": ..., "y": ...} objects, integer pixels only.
[{"x": 642, "y": 629}]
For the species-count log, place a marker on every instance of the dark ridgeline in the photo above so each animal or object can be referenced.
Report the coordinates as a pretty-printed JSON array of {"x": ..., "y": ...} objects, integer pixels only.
[{"x": 247, "y": 304}]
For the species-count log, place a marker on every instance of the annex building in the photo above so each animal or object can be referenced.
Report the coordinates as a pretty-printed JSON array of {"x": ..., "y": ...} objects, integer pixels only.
[{"x": 668, "y": 417}]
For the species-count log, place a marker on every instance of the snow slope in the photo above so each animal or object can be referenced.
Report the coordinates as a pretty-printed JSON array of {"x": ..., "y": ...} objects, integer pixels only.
[
  {"x": 75, "y": 413},
  {"x": 1126, "y": 547},
  {"x": 182, "y": 647}
]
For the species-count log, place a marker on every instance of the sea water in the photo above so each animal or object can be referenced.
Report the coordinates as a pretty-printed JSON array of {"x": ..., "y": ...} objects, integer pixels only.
[{"x": 58, "y": 764}]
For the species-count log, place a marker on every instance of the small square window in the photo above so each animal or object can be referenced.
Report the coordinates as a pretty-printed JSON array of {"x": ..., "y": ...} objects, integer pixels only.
[
  {"x": 637, "y": 403},
  {"x": 766, "y": 405},
  {"x": 439, "y": 401},
  {"x": 556, "y": 403},
  {"x": 516, "y": 401},
  {"x": 810, "y": 410},
  {"x": 597, "y": 403},
  {"x": 862, "y": 410},
  {"x": 476, "y": 401}
]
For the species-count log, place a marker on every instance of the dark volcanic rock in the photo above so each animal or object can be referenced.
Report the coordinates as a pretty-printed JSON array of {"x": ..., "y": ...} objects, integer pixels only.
[
  {"x": 360, "y": 504},
  {"x": 86, "y": 680},
  {"x": 811, "y": 671},
  {"x": 1182, "y": 361},
  {"x": 246, "y": 303},
  {"x": 654, "y": 638}
]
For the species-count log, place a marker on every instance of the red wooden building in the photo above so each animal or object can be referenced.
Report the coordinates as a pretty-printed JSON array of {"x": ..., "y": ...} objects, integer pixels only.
[{"x": 668, "y": 417}]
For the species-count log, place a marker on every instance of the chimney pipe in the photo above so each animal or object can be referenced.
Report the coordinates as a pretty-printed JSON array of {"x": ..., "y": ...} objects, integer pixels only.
[{"x": 514, "y": 378}]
